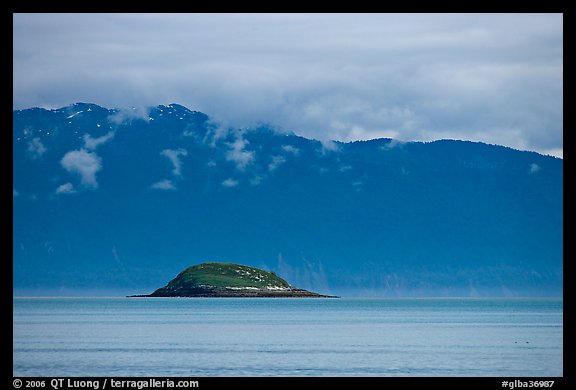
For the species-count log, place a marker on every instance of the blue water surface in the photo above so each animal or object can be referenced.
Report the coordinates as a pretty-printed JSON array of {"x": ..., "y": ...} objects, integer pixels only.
[{"x": 287, "y": 337}]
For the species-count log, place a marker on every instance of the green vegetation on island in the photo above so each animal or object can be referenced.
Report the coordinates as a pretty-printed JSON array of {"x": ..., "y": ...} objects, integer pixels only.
[{"x": 229, "y": 280}]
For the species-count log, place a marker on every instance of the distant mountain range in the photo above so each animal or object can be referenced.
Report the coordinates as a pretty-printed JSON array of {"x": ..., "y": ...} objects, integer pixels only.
[{"x": 124, "y": 199}]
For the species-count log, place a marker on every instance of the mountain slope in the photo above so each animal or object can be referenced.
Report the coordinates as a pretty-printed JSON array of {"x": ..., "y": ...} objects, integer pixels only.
[{"x": 107, "y": 198}]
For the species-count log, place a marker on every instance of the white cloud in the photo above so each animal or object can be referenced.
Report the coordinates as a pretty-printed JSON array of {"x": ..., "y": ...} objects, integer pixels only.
[
  {"x": 67, "y": 188},
  {"x": 291, "y": 149},
  {"x": 128, "y": 114},
  {"x": 164, "y": 185},
  {"x": 84, "y": 163},
  {"x": 329, "y": 146},
  {"x": 115, "y": 253},
  {"x": 239, "y": 155},
  {"x": 36, "y": 149},
  {"x": 534, "y": 168},
  {"x": 392, "y": 144},
  {"x": 256, "y": 180},
  {"x": 92, "y": 143},
  {"x": 15, "y": 193},
  {"x": 214, "y": 134},
  {"x": 276, "y": 162},
  {"x": 230, "y": 183},
  {"x": 557, "y": 152},
  {"x": 174, "y": 156}
]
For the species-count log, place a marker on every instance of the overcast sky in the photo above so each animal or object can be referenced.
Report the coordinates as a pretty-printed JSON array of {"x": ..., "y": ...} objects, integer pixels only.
[{"x": 495, "y": 78}]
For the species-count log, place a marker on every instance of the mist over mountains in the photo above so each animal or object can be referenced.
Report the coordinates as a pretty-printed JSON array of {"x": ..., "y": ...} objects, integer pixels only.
[{"x": 124, "y": 199}]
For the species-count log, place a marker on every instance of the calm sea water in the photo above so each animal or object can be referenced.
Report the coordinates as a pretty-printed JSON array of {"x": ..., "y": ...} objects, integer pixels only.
[{"x": 286, "y": 337}]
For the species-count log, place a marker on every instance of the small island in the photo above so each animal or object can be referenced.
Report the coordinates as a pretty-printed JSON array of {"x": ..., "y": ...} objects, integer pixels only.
[{"x": 226, "y": 280}]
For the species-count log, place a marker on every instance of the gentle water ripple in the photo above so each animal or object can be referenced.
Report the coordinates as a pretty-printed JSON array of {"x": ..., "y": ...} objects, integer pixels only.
[{"x": 287, "y": 337}]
